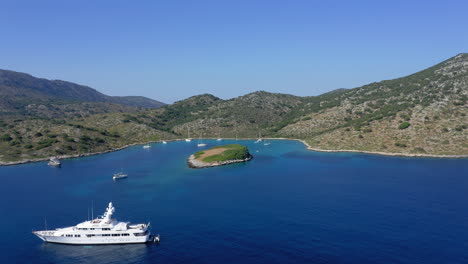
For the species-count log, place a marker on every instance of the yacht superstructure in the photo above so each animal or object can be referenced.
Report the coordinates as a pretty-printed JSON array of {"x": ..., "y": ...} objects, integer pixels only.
[{"x": 101, "y": 230}]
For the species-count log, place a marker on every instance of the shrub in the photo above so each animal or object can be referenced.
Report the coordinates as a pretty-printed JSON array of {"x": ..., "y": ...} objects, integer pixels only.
[
  {"x": 404, "y": 125},
  {"x": 6, "y": 137},
  {"x": 401, "y": 145}
]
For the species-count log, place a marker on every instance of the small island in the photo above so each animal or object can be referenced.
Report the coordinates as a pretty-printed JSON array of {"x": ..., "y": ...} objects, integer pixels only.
[{"x": 219, "y": 155}]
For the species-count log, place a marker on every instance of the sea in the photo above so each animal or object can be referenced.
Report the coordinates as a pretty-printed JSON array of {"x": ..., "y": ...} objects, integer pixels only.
[{"x": 287, "y": 205}]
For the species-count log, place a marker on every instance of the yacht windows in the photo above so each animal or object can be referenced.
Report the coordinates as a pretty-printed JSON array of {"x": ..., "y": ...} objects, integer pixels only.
[
  {"x": 69, "y": 235},
  {"x": 77, "y": 235},
  {"x": 115, "y": 234},
  {"x": 142, "y": 233},
  {"x": 125, "y": 234},
  {"x": 90, "y": 235},
  {"x": 105, "y": 234},
  {"x": 106, "y": 229}
]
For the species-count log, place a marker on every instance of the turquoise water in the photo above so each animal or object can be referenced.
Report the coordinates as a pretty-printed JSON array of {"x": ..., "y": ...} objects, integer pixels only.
[{"x": 287, "y": 205}]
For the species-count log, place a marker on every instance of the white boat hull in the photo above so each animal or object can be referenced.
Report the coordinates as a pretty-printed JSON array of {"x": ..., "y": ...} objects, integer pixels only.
[{"x": 96, "y": 240}]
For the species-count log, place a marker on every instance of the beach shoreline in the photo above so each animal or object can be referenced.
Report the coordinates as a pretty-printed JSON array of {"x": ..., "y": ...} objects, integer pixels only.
[{"x": 308, "y": 147}]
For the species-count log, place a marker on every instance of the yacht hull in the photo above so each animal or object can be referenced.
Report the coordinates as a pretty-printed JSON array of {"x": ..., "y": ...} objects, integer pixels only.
[{"x": 94, "y": 240}]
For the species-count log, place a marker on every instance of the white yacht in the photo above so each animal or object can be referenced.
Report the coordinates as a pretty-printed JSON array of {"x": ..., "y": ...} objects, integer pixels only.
[
  {"x": 119, "y": 175},
  {"x": 54, "y": 161},
  {"x": 101, "y": 230},
  {"x": 147, "y": 146},
  {"x": 164, "y": 142}
]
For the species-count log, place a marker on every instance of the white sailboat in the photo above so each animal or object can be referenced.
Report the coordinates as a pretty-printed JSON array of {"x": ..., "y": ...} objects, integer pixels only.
[
  {"x": 188, "y": 139},
  {"x": 259, "y": 138},
  {"x": 200, "y": 143}
]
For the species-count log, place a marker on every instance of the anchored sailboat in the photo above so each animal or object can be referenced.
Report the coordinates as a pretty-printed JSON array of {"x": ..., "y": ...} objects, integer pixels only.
[
  {"x": 200, "y": 143},
  {"x": 188, "y": 139}
]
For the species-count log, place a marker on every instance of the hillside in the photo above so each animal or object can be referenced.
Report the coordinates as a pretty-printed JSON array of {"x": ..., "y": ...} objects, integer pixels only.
[
  {"x": 423, "y": 113},
  {"x": 21, "y": 94}
]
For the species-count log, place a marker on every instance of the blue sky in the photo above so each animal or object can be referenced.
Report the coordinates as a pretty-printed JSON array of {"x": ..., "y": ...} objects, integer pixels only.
[{"x": 170, "y": 50}]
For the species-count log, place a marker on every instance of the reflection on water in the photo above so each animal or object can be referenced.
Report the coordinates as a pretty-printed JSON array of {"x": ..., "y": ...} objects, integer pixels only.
[{"x": 137, "y": 253}]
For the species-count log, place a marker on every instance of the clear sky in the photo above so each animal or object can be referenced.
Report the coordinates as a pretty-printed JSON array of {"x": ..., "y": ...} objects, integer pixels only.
[{"x": 169, "y": 50}]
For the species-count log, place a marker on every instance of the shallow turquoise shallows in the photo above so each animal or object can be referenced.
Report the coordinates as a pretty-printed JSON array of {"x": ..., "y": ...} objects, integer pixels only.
[{"x": 287, "y": 205}]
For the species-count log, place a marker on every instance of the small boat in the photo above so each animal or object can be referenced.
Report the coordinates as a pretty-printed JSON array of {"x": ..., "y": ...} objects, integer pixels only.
[
  {"x": 146, "y": 146},
  {"x": 164, "y": 142},
  {"x": 259, "y": 138},
  {"x": 188, "y": 139},
  {"x": 119, "y": 175},
  {"x": 200, "y": 143},
  {"x": 219, "y": 139},
  {"x": 54, "y": 161},
  {"x": 266, "y": 144}
]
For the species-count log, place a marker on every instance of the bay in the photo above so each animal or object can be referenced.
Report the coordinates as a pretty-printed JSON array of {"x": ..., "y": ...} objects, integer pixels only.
[{"x": 287, "y": 205}]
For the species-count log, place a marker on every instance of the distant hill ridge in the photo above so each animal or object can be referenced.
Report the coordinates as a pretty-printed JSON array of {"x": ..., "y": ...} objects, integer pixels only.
[{"x": 18, "y": 89}]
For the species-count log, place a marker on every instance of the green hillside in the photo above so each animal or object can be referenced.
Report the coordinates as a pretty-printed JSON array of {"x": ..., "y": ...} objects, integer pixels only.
[{"x": 423, "y": 113}]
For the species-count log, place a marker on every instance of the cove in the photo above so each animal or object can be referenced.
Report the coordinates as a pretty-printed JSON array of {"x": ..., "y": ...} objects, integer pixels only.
[{"x": 287, "y": 205}]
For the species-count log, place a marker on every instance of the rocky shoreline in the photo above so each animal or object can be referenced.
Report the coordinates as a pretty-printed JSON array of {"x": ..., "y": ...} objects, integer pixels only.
[
  {"x": 9, "y": 163},
  {"x": 385, "y": 153},
  {"x": 197, "y": 164}
]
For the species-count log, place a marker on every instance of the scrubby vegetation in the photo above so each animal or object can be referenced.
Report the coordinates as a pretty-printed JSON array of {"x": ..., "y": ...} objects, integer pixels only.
[{"x": 230, "y": 152}]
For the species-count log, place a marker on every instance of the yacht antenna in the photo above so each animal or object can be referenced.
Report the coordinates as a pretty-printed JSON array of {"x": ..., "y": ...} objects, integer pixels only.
[
  {"x": 45, "y": 223},
  {"x": 92, "y": 209}
]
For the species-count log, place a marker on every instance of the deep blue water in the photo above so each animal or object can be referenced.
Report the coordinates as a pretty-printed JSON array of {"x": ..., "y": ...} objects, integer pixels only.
[{"x": 288, "y": 205}]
